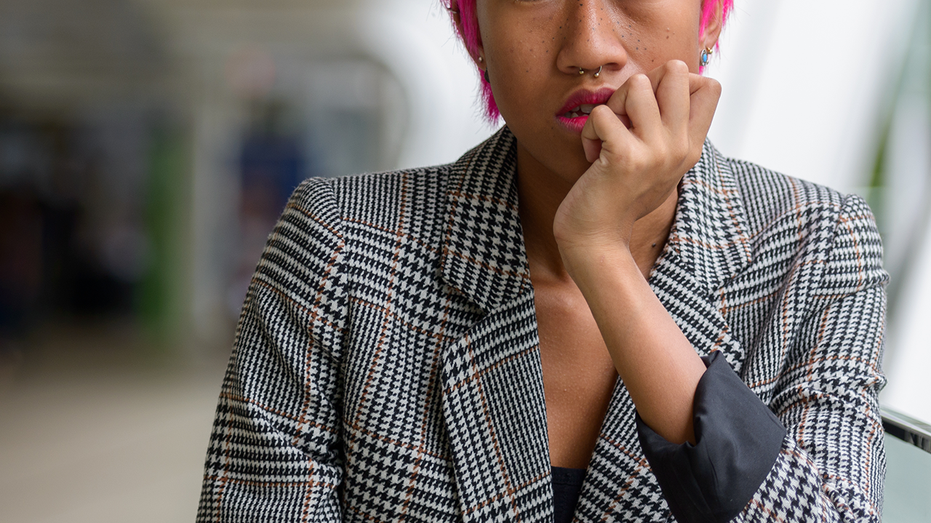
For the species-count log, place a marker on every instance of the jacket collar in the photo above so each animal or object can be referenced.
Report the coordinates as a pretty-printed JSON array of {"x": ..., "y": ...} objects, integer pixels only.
[
  {"x": 483, "y": 253},
  {"x": 483, "y": 249}
]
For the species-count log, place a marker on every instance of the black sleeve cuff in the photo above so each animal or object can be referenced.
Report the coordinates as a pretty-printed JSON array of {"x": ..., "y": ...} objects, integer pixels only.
[{"x": 737, "y": 442}]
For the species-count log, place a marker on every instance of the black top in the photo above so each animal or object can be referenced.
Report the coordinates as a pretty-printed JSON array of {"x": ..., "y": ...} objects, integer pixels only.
[{"x": 567, "y": 485}]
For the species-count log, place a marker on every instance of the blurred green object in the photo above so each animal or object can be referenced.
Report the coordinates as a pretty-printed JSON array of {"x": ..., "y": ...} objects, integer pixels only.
[
  {"x": 908, "y": 469},
  {"x": 161, "y": 298}
]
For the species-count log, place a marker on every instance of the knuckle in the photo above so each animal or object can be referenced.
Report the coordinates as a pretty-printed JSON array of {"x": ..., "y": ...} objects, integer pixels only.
[
  {"x": 639, "y": 81},
  {"x": 677, "y": 66},
  {"x": 639, "y": 162},
  {"x": 714, "y": 86},
  {"x": 601, "y": 111},
  {"x": 665, "y": 154}
]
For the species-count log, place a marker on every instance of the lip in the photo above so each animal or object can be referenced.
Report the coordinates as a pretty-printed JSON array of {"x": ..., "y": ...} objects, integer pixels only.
[{"x": 581, "y": 97}]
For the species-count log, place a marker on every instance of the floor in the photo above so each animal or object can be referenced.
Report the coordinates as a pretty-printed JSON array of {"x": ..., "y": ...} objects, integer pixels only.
[{"x": 96, "y": 429}]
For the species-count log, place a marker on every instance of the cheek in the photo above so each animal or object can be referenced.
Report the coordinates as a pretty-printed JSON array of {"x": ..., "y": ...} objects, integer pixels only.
[
  {"x": 519, "y": 61},
  {"x": 653, "y": 49},
  {"x": 655, "y": 34},
  {"x": 527, "y": 43}
]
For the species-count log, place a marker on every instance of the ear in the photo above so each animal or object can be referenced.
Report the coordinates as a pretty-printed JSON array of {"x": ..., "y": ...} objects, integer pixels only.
[
  {"x": 713, "y": 24},
  {"x": 466, "y": 23}
]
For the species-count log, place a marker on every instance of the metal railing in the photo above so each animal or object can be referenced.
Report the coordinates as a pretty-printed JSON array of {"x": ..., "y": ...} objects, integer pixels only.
[{"x": 907, "y": 429}]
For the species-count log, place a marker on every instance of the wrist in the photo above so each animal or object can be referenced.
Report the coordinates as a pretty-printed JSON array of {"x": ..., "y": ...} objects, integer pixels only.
[{"x": 591, "y": 265}]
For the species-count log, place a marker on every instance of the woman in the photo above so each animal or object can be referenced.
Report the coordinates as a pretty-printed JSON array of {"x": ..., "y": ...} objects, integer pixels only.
[{"x": 592, "y": 314}]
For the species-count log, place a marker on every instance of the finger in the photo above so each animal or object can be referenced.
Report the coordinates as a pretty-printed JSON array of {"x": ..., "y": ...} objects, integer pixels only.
[
  {"x": 656, "y": 75},
  {"x": 603, "y": 126},
  {"x": 703, "y": 100},
  {"x": 592, "y": 148},
  {"x": 618, "y": 101},
  {"x": 672, "y": 96},
  {"x": 641, "y": 107}
]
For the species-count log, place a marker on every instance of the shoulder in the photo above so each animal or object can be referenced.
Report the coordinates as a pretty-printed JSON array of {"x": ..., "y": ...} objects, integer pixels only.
[
  {"x": 330, "y": 223},
  {"x": 382, "y": 200},
  {"x": 335, "y": 231},
  {"x": 770, "y": 197},
  {"x": 815, "y": 223}
]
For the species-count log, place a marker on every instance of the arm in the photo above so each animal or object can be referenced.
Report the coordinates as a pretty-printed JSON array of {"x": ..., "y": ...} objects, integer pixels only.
[
  {"x": 274, "y": 450},
  {"x": 833, "y": 460},
  {"x": 640, "y": 144},
  {"x": 828, "y": 463},
  {"x": 627, "y": 181}
]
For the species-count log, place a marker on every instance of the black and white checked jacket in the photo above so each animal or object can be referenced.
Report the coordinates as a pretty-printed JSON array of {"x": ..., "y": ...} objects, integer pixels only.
[{"x": 386, "y": 366}]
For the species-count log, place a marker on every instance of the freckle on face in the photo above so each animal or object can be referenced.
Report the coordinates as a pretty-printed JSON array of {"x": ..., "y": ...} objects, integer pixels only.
[{"x": 511, "y": 33}]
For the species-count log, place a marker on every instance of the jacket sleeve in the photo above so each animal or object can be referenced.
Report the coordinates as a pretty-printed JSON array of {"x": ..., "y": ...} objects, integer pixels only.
[
  {"x": 828, "y": 463},
  {"x": 832, "y": 463},
  {"x": 737, "y": 441},
  {"x": 274, "y": 448}
]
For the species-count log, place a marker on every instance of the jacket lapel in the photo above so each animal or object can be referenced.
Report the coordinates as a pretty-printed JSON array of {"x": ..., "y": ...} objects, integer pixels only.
[
  {"x": 493, "y": 402},
  {"x": 707, "y": 246}
]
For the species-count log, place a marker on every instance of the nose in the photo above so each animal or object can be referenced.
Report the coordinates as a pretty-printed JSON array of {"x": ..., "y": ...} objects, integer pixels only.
[{"x": 591, "y": 37}]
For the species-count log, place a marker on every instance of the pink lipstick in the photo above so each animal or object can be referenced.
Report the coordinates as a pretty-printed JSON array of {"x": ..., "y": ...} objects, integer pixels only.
[{"x": 578, "y": 107}]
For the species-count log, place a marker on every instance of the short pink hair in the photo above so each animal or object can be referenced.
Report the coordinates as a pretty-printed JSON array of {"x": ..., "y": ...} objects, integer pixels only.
[{"x": 470, "y": 37}]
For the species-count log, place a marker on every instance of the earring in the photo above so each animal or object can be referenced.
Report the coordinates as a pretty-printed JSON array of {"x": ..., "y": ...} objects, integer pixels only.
[
  {"x": 480, "y": 59},
  {"x": 598, "y": 72},
  {"x": 705, "y": 56},
  {"x": 581, "y": 71}
]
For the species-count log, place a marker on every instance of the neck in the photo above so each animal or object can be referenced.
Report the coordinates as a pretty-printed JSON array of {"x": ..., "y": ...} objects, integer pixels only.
[{"x": 541, "y": 191}]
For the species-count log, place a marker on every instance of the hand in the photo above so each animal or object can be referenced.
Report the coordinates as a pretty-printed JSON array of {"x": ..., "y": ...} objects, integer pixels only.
[{"x": 640, "y": 143}]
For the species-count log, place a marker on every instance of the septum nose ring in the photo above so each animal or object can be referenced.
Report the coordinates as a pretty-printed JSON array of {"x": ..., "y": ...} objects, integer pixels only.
[{"x": 597, "y": 73}]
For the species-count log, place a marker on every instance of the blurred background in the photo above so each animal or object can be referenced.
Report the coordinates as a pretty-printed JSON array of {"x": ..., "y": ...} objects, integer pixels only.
[{"x": 147, "y": 147}]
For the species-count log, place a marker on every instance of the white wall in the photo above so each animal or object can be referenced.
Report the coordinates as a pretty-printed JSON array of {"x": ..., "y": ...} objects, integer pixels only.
[{"x": 805, "y": 84}]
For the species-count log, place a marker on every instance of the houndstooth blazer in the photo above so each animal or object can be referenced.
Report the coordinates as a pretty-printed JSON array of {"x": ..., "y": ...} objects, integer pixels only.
[{"x": 386, "y": 364}]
